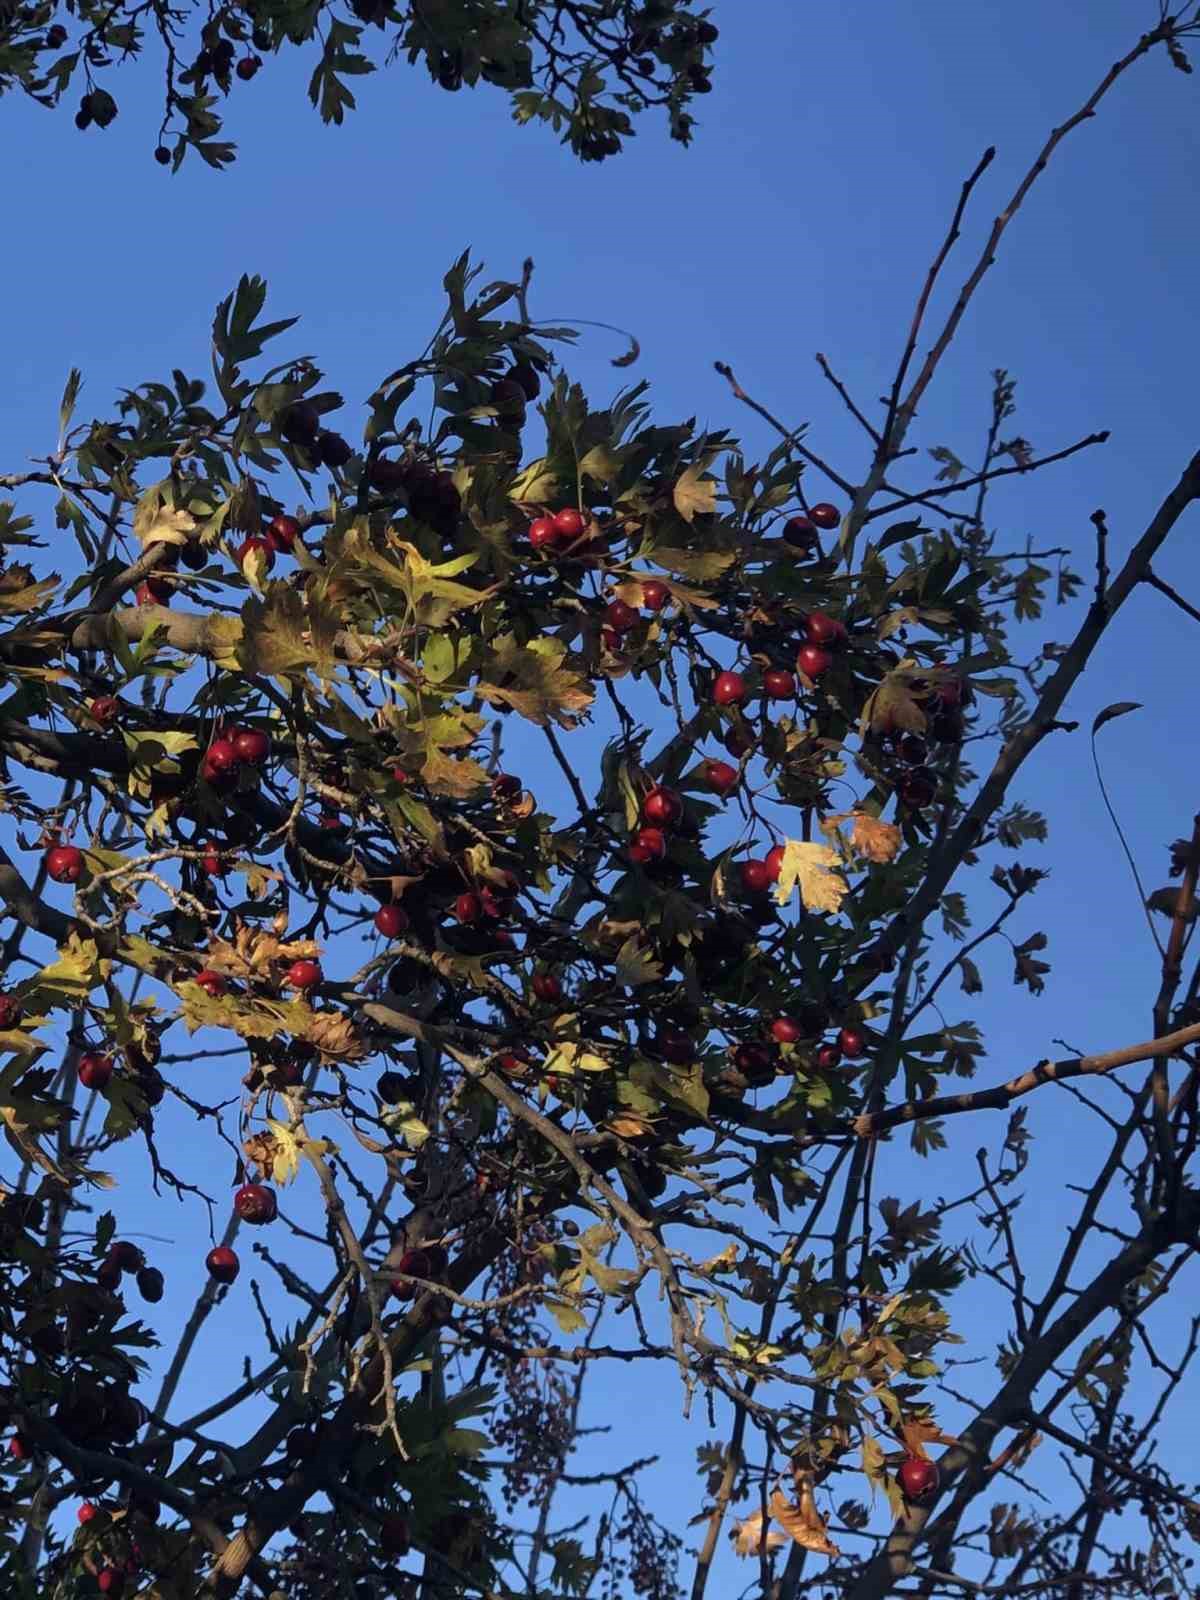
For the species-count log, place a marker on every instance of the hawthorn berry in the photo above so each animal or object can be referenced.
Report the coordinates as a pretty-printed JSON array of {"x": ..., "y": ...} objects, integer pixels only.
[
  {"x": 813, "y": 661},
  {"x": 282, "y": 532},
  {"x": 391, "y": 921},
  {"x": 569, "y": 523},
  {"x": 222, "y": 1263},
  {"x": 729, "y": 689},
  {"x": 304, "y": 975},
  {"x": 255, "y": 1203},
  {"x": 662, "y": 807},
  {"x": 655, "y": 594},
  {"x": 824, "y": 515},
  {"x": 719, "y": 775},
  {"x": 212, "y": 982},
  {"x": 918, "y": 1477},
  {"x": 64, "y": 863},
  {"x": 546, "y": 986},
  {"x": 779, "y": 684},
  {"x": 94, "y": 1069},
  {"x": 756, "y": 876}
]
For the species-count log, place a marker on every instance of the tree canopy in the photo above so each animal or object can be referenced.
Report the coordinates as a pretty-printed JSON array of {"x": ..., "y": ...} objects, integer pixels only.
[
  {"x": 588, "y": 68},
  {"x": 471, "y": 1096}
]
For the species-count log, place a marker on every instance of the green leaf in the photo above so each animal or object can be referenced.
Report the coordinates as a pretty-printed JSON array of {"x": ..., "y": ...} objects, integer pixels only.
[{"x": 569, "y": 1318}]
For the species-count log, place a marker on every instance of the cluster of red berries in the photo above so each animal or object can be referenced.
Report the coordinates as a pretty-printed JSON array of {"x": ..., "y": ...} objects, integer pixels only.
[
  {"x": 277, "y": 538},
  {"x": 240, "y": 747},
  {"x": 802, "y": 533},
  {"x": 428, "y": 1261},
  {"x": 662, "y": 810}
]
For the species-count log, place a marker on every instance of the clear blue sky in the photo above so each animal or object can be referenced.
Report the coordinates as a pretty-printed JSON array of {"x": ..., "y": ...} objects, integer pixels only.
[{"x": 827, "y": 162}]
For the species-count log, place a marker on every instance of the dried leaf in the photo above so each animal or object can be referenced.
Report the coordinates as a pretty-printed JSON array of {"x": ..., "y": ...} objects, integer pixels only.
[
  {"x": 878, "y": 841},
  {"x": 255, "y": 952},
  {"x": 748, "y": 1538},
  {"x": 919, "y": 1432},
  {"x": 803, "y": 1521},
  {"x": 334, "y": 1036}
]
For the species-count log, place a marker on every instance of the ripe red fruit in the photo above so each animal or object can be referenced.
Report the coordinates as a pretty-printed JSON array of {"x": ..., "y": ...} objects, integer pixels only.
[
  {"x": 467, "y": 908},
  {"x": 152, "y": 593},
  {"x": 662, "y": 806},
  {"x": 108, "y": 1276},
  {"x": 620, "y": 616},
  {"x": 729, "y": 689},
  {"x": 250, "y": 745},
  {"x": 400, "y": 776},
  {"x": 649, "y": 844},
  {"x": 247, "y": 67},
  {"x": 918, "y": 1477},
  {"x": 505, "y": 786},
  {"x": 393, "y": 1535},
  {"x": 655, "y": 594},
  {"x": 221, "y": 755},
  {"x": 127, "y": 1256},
  {"x": 756, "y": 877},
  {"x": 779, "y": 684},
  {"x": 19, "y": 1447},
  {"x": 801, "y": 534},
  {"x": 104, "y": 709},
  {"x": 222, "y": 1263},
  {"x": 812, "y": 661},
  {"x": 391, "y": 921},
  {"x": 543, "y": 535},
  {"x": 212, "y": 982},
  {"x": 755, "y": 1063},
  {"x": 852, "y": 1042},
  {"x": 255, "y": 1203},
  {"x": 828, "y": 1057},
  {"x": 738, "y": 741},
  {"x": 255, "y": 545},
  {"x": 825, "y": 515},
  {"x": 569, "y": 523},
  {"x": 212, "y": 864},
  {"x": 110, "y": 1580},
  {"x": 64, "y": 863},
  {"x": 300, "y": 422},
  {"x": 94, "y": 1070},
  {"x": 824, "y": 630},
  {"x": 150, "y": 1285},
  {"x": 546, "y": 986},
  {"x": 10, "y": 1011},
  {"x": 784, "y": 1030},
  {"x": 87, "y": 1513},
  {"x": 719, "y": 775},
  {"x": 774, "y": 860},
  {"x": 917, "y": 788},
  {"x": 416, "y": 1264},
  {"x": 304, "y": 975}
]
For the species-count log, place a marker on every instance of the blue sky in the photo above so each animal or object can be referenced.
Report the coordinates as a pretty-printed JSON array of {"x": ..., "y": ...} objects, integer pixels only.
[{"x": 828, "y": 159}]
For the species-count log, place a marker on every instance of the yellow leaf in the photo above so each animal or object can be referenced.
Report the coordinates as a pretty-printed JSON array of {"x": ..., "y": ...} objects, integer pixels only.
[
  {"x": 459, "y": 777},
  {"x": 158, "y": 520},
  {"x": 919, "y": 1432},
  {"x": 533, "y": 679},
  {"x": 570, "y": 1056},
  {"x": 628, "y": 1126},
  {"x": 878, "y": 841},
  {"x": 815, "y": 867},
  {"x": 537, "y": 485},
  {"x": 334, "y": 1036},
  {"x": 694, "y": 492}
]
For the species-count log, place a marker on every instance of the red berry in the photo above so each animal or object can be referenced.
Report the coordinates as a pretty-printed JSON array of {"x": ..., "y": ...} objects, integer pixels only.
[
  {"x": 719, "y": 775},
  {"x": 127, "y": 1256},
  {"x": 774, "y": 860},
  {"x": 918, "y": 1477},
  {"x": 812, "y": 661},
  {"x": 779, "y": 684},
  {"x": 304, "y": 975},
  {"x": 620, "y": 616},
  {"x": 94, "y": 1070},
  {"x": 152, "y": 593},
  {"x": 611, "y": 639},
  {"x": 19, "y": 1447},
  {"x": 801, "y": 534},
  {"x": 852, "y": 1042},
  {"x": 391, "y": 921},
  {"x": 87, "y": 1513},
  {"x": 546, "y": 986},
  {"x": 221, "y": 755},
  {"x": 729, "y": 689},
  {"x": 569, "y": 523},
  {"x": 662, "y": 806},
  {"x": 400, "y": 776},
  {"x": 108, "y": 1276},
  {"x": 150, "y": 1285},
  {"x": 222, "y": 1263},
  {"x": 756, "y": 877},
  {"x": 828, "y": 1057},
  {"x": 247, "y": 67},
  {"x": 824, "y": 630},
  {"x": 649, "y": 844},
  {"x": 467, "y": 908},
  {"x": 105, "y": 709},
  {"x": 825, "y": 515},
  {"x": 655, "y": 594},
  {"x": 250, "y": 745},
  {"x": 10, "y": 1011},
  {"x": 110, "y": 1580},
  {"x": 543, "y": 535},
  {"x": 212, "y": 864},
  {"x": 212, "y": 982},
  {"x": 917, "y": 788},
  {"x": 255, "y": 1203},
  {"x": 784, "y": 1030},
  {"x": 64, "y": 863},
  {"x": 255, "y": 545},
  {"x": 755, "y": 1063},
  {"x": 393, "y": 1535},
  {"x": 505, "y": 786},
  {"x": 738, "y": 741}
]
